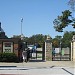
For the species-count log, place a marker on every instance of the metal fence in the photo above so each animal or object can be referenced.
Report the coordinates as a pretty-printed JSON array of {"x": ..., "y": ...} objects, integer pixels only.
[{"x": 63, "y": 54}]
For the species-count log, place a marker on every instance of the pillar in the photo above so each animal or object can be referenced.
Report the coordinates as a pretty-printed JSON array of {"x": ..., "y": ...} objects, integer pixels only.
[
  {"x": 48, "y": 50},
  {"x": 73, "y": 49}
]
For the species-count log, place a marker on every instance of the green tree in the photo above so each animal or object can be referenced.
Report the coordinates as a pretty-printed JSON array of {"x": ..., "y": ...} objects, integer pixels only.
[
  {"x": 67, "y": 38},
  {"x": 16, "y": 36},
  {"x": 64, "y": 20},
  {"x": 38, "y": 38},
  {"x": 56, "y": 41}
]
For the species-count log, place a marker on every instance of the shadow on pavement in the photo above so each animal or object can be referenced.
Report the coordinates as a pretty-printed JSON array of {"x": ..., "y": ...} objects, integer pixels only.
[{"x": 33, "y": 60}]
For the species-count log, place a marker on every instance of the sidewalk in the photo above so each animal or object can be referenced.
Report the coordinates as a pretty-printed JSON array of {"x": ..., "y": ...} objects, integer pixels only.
[
  {"x": 42, "y": 64},
  {"x": 38, "y": 68}
]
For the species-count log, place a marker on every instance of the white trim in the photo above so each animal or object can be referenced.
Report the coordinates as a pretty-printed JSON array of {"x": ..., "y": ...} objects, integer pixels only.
[
  {"x": 71, "y": 51},
  {"x": 45, "y": 51}
]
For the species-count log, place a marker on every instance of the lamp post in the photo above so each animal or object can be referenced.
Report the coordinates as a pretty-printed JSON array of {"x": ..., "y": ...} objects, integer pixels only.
[{"x": 21, "y": 28}]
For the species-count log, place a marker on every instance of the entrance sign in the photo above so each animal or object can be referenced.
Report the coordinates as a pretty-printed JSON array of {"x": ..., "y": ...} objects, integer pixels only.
[{"x": 57, "y": 50}]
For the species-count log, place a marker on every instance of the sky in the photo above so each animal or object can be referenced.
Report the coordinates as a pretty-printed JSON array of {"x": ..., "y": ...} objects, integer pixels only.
[{"x": 38, "y": 16}]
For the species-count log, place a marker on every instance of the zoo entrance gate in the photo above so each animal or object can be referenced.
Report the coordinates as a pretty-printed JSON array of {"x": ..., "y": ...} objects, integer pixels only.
[
  {"x": 40, "y": 54},
  {"x": 63, "y": 55}
]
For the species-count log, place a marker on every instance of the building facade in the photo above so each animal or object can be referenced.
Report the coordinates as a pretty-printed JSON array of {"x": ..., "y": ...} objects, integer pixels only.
[{"x": 10, "y": 45}]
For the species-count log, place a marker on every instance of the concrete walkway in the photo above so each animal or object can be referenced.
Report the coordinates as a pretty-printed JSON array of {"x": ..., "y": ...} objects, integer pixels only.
[
  {"x": 42, "y": 64},
  {"x": 38, "y": 68}
]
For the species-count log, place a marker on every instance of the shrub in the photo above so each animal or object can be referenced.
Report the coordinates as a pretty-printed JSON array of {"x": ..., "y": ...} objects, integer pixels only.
[{"x": 8, "y": 57}]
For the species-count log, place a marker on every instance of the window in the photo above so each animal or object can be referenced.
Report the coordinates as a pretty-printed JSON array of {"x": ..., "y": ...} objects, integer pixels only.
[
  {"x": 7, "y": 44},
  {"x": 7, "y": 50},
  {"x": 8, "y": 47}
]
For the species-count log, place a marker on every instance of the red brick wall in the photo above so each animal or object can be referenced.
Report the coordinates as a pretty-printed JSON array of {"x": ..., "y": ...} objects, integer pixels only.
[
  {"x": 16, "y": 49},
  {"x": 0, "y": 47}
]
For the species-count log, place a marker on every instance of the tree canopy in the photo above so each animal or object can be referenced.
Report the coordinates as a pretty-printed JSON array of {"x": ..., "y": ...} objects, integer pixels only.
[
  {"x": 56, "y": 41},
  {"x": 65, "y": 40},
  {"x": 38, "y": 38},
  {"x": 64, "y": 20}
]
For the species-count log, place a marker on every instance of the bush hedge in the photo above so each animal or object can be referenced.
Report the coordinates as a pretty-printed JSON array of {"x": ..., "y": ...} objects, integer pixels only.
[{"x": 8, "y": 57}]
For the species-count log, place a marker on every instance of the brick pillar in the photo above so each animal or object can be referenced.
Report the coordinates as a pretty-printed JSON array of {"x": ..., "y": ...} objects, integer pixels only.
[
  {"x": 0, "y": 47},
  {"x": 48, "y": 50},
  {"x": 16, "y": 49}
]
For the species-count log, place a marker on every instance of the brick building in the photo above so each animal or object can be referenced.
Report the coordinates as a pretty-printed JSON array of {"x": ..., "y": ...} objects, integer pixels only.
[{"x": 10, "y": 45}]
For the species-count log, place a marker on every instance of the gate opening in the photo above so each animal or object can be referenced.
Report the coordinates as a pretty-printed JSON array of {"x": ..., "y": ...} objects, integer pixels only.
[{"x": 36, "y": 54}]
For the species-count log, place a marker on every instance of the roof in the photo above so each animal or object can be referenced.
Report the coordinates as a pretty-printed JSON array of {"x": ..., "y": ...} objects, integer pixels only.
[
  {"x": 1, "y": 30},
  {"x": 15, "y": 40}
]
